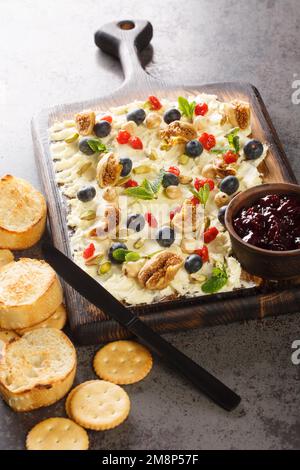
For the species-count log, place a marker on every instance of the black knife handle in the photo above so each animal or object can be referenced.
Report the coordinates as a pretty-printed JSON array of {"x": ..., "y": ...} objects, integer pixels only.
[{"x": 203, "y": 380}]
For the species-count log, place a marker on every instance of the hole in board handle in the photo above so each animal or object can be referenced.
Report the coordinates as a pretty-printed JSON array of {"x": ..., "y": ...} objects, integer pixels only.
[{"x": 126, "y": 24}]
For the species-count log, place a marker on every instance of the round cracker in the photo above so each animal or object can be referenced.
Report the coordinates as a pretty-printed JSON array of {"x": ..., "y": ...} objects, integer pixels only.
[
  {"x": 70, "y": 396},
  {"x": 99, "y": 405},
  {"x": 57, "y": 320},
  {"x": 123, "y": 362},
  {"x": 57, "y": 434},
  {"x": 7, "y": 336},
  {"x": 6, "y": 256}
]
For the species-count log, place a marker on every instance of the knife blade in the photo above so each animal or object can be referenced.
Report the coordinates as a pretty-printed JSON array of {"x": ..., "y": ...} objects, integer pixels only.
[{"x": 101, "y": 298}]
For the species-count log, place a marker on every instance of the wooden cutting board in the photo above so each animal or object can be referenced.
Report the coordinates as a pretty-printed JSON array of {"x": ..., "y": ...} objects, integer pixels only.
[{"x": 89, "y": 325}]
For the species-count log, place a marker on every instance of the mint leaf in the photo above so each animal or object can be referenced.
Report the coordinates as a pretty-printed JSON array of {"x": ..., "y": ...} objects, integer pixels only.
[
  {"x": 233, "y": 139},
  {"x": 202, "y": 194},
  {"x": 97, "y": 146},
  {"x": 216, "y": 150},
  {"x": 186, "y": 108},
  {"x": 156, "y": 184},
  {"x": 217, "y": 280},
  {"x": 132, "y": 256},
  {"x": 139, "y": 192}
]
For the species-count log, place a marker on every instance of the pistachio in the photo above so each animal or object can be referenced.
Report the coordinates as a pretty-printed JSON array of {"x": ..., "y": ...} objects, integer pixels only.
[
  {"x": 152, "y": 120},
  {"x": 183, "y": 159},
  {"x": 123, "y": 180},
  {"x": 141, "y": 169},
  {"x": 221, "y": 199},
  {"x": 104, "y": 268},
  {"x": 129, "y": 126},
  {"x": 88, "y": 215},
  {"x": 139, "y": 243},
  {"x": 109, "y": 194},
  {"x": 83, "y": 168},
  {"x": 209, "y": 171},
  {"x": 197, "y": 277},
  {"x": 152, "y": 155},
  {"x": 72, "y": 138},
  {"x": 183, "y": 179},
  {"x": 94, "y": 260},
  {"x": 173, "y": 192}
]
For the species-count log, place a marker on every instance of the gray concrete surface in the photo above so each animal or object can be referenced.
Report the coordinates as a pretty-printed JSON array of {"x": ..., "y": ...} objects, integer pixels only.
[{"x": 48, "y": 57}]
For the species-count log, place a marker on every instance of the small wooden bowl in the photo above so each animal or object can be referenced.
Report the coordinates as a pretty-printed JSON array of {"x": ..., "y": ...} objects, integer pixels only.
[{"x": 267, "y": 264}]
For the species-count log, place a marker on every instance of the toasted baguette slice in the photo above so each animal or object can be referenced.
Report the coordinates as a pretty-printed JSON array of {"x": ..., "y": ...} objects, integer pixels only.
[
  {"x": 29, "y": 293},
  {"x": 6, "y": 256},
  {"x": 56, "y": 320},
  {"x": 23, "y": 213},
  {"x": 37, "y": 369}
]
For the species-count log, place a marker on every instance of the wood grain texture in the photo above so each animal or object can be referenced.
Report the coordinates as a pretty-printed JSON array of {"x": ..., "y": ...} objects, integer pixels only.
[{"x": 90, "y": 325}]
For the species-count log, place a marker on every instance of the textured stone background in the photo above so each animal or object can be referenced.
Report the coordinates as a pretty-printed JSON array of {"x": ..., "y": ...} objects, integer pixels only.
[{"x": 48, "y": 57}]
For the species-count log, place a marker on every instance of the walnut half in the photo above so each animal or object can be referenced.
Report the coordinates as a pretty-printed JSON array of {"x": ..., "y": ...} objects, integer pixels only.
[{"x": 160, "y": 270}]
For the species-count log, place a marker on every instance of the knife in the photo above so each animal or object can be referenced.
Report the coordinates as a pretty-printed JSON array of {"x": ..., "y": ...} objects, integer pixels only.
[{"x": 101, "y": 298}]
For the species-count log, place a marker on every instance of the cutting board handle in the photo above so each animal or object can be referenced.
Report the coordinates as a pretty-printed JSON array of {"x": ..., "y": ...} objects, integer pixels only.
[{"x": 124, "y": 40}]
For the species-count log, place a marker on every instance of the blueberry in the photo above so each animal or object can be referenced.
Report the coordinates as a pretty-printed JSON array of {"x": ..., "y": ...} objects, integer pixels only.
[
  {"x": 172, "y": 115},
  {"x": 253, "y": 149},
  {"x": 127, "y": 166},
  {"x": 138, "y": 116},
  {"x": 165, "y": 236},
  {"x": 169, "y": 179},
  {"x": 229, "y": 185},
  {"x": 85, "y": 148},
  {"x": 221, "y": 215},
  {"x": 102, "y": 128},
  {"x": 193, "y": 148},
  {"x": 86, "y": 194},
  {"x": 193, "y": 263},
  {"x": 136, "y": 222},
  {"x": 113, "y": 248}
]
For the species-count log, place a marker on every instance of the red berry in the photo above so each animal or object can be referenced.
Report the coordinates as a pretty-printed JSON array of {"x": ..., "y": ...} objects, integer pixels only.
[
  {"x": 230, "y": 157},
  {"x": 150, "y": 219},
  {"x": 155, "y": 104},
  {"x": 130, "y": 184},
  {"x": 174, "y": 170},
  {"x": 199, "y": 183},
  {"x": 107, "y": 118},
  {"x": 135, "y": 143},
  {"x": 207, "y": 140},
  {"x": 89, "y": 251},
  {"x": 123, "y": 137},
  {"x": 210, "y": 234},
  {"x": 201, "y": 109},
  {"x": 175, "y": 211},
  {"x": 203, "y": 252},
  {"x": 195, "y": 201}
]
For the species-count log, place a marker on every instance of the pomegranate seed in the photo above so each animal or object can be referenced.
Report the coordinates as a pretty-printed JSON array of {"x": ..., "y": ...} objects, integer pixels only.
[
  {"x": 201, "y": 109},
  {"x": 150, "y": 219},
  {"x": 210, "y": 234},
  {"x": 89, "y": 251},
  {"x": 195, "y": 201},
  {"x": 154, "y": 103},
  {"x": 130, "y": 184},
  {"x": 174, "y": 212},
  {"x": 203, "y": 252},
  {"x": 135, "y": 143},
  {"x": 207, "y": 140},
  {"x": 123, "y": 137},
  {"x": 107, "y": 118},
  {"x": 174, "y": 170},
  {"x": 199, "y": 183},
  {"x": 230, "y": 157}
]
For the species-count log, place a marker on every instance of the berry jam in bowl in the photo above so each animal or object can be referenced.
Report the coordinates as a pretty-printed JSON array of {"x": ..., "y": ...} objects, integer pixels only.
[{"x": 264, "y": 226}]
